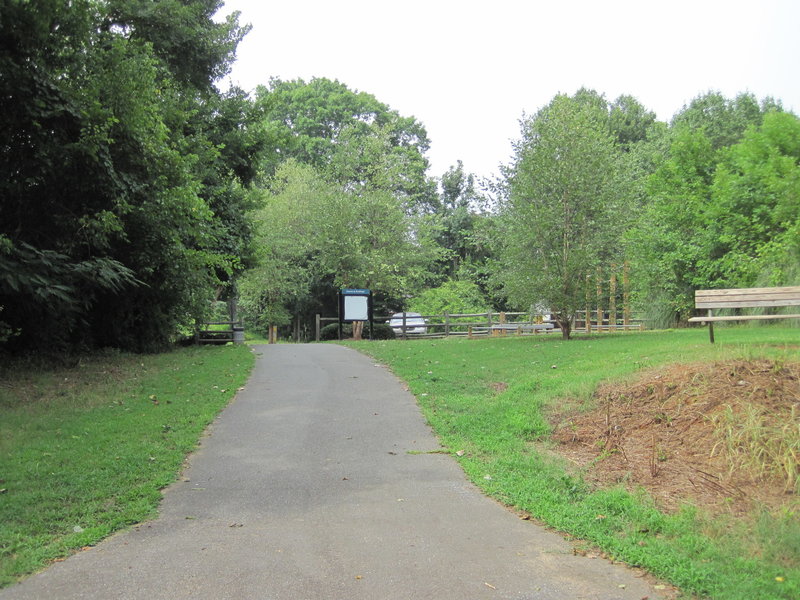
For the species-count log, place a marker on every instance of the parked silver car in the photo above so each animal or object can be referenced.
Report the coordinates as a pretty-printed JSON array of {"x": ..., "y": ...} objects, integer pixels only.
[{"x": 414, "y": 323}]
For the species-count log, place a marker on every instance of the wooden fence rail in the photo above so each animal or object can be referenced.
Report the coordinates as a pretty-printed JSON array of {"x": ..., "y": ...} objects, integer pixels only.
[
  {"x": 506, "y": 323},
  {"x": 219, "y": 332}
]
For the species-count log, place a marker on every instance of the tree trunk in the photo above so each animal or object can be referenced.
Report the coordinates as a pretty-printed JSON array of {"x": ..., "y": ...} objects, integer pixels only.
[
  {"x": 358, "y": 328},
  {"x": 566, "y": 328}
]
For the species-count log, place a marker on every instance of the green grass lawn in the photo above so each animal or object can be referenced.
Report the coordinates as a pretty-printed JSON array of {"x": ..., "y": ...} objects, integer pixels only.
[
  {"x": 85, "y": 451},
  {"x": 488, "y": 398}
]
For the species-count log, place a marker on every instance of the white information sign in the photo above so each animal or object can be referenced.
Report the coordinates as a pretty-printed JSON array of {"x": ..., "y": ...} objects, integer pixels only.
[{"x": 356, "y": 308}]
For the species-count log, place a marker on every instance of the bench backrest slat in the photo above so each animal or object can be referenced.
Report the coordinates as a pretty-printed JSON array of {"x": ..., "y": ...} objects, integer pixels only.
[{"x": 748, "y": 297}]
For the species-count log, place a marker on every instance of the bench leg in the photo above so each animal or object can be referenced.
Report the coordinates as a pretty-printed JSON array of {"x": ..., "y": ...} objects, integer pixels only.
[{"x": 710, "y": 327}]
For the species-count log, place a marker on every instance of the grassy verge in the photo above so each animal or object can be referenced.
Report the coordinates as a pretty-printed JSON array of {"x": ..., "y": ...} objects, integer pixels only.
[
  {"x": 488, "y": 398},
  {"x": 85, "y": 451},
  {"x": 252, "y": 337}
]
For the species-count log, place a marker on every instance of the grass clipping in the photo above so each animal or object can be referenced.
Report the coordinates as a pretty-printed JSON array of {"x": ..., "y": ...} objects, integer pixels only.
[{"x": 721, "y": 435}]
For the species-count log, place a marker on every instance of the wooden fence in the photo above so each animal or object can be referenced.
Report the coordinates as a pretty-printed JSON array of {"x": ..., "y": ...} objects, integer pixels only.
[
  {"x": 219, "y": 332},
  {"x": 602, "y": 314},
  {"x": 507, "y": 323}
]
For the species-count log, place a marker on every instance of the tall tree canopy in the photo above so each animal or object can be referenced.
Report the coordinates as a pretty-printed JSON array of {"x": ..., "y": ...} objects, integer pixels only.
[
  {"x": 316, "y": 235},
  {"x": 718, "y": 218},
  {"x": 356, "y": 172},
  {"x": 723, "y": 121},
  {"x": 707, "y": 201},
  {"x": 455, "y": 218},
  {"x": 119, "y": 215},
  {"x": 564, "y": 194},
  {"x": 350, "y": 136}
]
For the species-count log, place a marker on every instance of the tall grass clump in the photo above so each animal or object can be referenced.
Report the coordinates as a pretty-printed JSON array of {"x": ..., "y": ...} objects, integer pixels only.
[{"x": 751, "y": 439}]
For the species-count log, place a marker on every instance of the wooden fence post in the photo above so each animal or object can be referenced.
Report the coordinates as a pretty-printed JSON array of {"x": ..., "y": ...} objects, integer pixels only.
[
  {"x": 626, "y": 294},
  {"x": 446, "y": 324},
  {"x": 612, "y": 299},
  {"x": 588, "y": 306},
  {"x": 317, "y": 326},
  {"x": 599, "y": 301}
]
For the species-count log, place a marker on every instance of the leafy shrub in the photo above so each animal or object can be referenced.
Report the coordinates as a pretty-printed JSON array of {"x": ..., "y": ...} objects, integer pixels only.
[
  {"x": 331, "y": 331},
  {"x": 452, "y": 297},
  {"x": 382, "y": 331}
]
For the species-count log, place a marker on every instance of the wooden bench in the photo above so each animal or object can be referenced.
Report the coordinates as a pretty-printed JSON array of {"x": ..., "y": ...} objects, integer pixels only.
[{"x": 744, "y": 298}]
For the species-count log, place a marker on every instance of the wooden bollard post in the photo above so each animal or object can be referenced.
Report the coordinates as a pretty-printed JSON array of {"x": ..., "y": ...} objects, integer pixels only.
[
  {"x": 612, "y": 299},
  {"x": 588, "y": 306},
  {"x": 626, "y": 294},
  {"x": 599, "y": 302}
]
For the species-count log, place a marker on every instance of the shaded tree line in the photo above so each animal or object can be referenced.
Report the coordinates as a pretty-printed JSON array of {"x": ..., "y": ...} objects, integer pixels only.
[
  {"x": 345, "y": 200},
  {"x": 709, "y": 200},
  {"x": 706, "y": 200},
  {"x": 124, "y": 171},
  {"x": 342, "y": 194},
  {"x": 133, "y": 191}
]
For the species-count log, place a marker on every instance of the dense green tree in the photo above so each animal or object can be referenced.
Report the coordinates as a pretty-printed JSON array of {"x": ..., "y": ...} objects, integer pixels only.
[
  {"x": 629, "y": 121},
  {"x": 183, "y": 35},
  {"x": 453, "y": 297},
  {"x": 592, "y": 99},
  {"x": 455, "y": 216},
  {"x": 316, "y": 236},
  {"x": 719, "y": 216},
  {"x": 664, "y": 245},
  {"x": 112, "y": 174},
  {"x": 350, "y": 136},
  {"x": 721, "y": 120},
  {"x": 754, "y": 216},
  {"x": 565, "y": 204},
  {"x": 364, "y": 163}
]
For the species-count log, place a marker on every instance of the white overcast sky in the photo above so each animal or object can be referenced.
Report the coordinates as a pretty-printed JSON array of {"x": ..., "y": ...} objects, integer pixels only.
[{"x": 468, "y": 70}]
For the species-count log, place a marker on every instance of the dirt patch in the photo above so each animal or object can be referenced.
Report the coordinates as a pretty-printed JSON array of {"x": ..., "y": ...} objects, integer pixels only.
[
  {"x": 721, "y": 436},
  {"x": 499, "y": 387}
]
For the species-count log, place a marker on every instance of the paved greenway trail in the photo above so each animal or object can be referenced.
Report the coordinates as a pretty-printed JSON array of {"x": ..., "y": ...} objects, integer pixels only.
[{"x": 315, "y": 484}]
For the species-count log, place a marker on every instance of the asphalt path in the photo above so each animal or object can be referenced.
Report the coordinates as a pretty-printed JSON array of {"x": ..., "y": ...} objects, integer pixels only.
[{"x": 321, "y": 481}]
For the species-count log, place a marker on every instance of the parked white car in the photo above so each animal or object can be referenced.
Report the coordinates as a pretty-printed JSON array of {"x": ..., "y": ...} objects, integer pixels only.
[{"x": 414, "y": 323}]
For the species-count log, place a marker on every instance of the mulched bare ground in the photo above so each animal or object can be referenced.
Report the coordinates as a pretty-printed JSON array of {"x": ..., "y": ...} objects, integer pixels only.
[{"x": 667, "y": 432}]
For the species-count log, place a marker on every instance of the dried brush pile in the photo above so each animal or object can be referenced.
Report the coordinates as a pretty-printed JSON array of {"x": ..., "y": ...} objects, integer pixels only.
[{"x": 718, "y": 435}]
